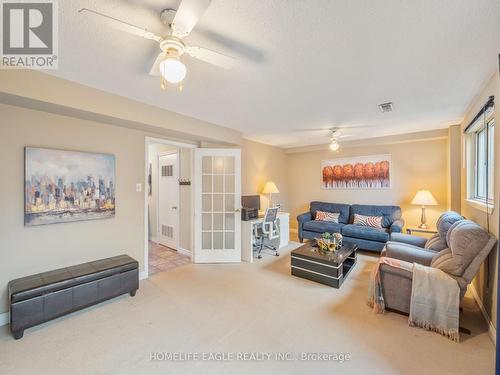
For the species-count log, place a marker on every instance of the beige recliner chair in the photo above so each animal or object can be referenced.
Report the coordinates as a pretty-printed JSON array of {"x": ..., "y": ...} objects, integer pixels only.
[{"x": 468, "y": 247}]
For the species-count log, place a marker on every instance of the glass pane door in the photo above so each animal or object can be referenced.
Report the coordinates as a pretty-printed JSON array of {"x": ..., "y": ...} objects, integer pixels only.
[{"x": 218, "y": 208}]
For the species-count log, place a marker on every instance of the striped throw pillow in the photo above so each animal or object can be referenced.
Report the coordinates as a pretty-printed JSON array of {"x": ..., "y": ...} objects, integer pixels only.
[
  {"x": 368, "y": 221},
  {"x": 327, "y": 216}
]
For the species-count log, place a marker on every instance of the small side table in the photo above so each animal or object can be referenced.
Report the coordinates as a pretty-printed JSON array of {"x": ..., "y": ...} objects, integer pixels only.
[{"x": 410, "y": 230}]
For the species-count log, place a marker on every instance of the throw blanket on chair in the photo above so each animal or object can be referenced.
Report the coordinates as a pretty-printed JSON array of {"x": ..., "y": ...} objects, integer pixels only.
[
  {"x": 435, "y": 298},
  {"x": 375, "y": 296}
]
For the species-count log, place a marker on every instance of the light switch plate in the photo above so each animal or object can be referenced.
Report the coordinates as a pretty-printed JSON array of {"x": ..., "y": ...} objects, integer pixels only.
[{"x": 138, "y": 188}]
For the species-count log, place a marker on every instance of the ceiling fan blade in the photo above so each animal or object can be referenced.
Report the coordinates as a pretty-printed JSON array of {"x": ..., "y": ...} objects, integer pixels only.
[
  {"x": 188, "y": 15},
  {"x": 351, "y": 127},
  {"x": 155, "y": 69},
  {"x": 238, "y": 47},
  {"x": 120, "y": 25},
  {"x": 211, "y": 57},
  {"x": 334, "y": 128}
]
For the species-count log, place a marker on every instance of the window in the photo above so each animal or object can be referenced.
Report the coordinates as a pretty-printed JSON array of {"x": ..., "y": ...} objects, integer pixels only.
[
  {"x": 484, "y": 163},
  {"x": 480, "y": 155}
]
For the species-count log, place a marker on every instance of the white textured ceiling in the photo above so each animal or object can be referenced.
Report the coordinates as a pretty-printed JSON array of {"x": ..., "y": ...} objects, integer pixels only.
[{"x": 302, "y": 64}]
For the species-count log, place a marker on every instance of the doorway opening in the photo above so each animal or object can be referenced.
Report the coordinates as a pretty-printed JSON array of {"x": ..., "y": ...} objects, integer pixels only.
[{"x": 168, "y": 205}]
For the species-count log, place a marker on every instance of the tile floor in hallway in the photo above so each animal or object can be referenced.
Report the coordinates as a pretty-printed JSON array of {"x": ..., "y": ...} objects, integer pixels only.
[{"x": 162, "y": 258}]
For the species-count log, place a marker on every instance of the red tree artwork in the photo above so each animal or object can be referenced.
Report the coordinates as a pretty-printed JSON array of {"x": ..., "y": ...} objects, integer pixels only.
[{"x": 367, "y": 172}]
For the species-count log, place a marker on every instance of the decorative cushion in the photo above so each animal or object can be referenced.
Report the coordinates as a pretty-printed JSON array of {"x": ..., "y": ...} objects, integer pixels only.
[
  {"x": 327, "y": 216},
  {"x": 343, "y": 209},
  {"x": 368, "y": 221},
  {"x": 389, "y": 213}
]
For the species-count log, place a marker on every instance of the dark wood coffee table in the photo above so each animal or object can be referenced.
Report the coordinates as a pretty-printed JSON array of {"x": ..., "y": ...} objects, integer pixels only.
[{"x": 326, "y": 267}]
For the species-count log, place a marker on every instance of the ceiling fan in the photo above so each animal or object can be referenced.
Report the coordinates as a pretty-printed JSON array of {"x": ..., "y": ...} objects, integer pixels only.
[
  {"x": 334, "y": 138},
  {"x": 180, "y": 23},
  {"x": 329, "y": 129},
  {"x": 334, "y": 133}
]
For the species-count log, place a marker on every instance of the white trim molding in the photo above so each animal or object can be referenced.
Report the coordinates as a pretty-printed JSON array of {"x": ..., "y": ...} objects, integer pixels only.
[
  {"x": 181, "y": 250},
  {"x": 480, "y": 205},
  {"x": 143, "y": 275},
  {"x": 4, "y": 319},
  {"x": 491, "y": 328}
]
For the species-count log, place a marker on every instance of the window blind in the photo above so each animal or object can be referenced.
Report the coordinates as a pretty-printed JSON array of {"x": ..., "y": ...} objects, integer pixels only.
[{"x": 478, "y": 122}]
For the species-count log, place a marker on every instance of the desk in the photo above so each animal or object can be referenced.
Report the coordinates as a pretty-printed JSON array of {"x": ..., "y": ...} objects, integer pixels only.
[{"x": 247, "y": 237}]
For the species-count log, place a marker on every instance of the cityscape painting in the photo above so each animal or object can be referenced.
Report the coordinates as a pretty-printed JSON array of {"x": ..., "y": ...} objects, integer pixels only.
[
  {"x": 361, "y": 172},
  {"x": 64, "y": 186}
]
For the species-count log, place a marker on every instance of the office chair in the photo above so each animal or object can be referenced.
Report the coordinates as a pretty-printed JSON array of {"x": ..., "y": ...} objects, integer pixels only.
[{"x": 268, "y": 230}]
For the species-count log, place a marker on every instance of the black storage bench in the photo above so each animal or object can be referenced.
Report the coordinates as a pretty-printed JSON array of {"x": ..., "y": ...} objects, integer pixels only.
[{"x": 48, "y": 295}]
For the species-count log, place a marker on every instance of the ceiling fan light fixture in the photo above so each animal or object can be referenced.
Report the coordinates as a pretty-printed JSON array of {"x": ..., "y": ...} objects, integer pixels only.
[
  {"x": 334, "y": 146},
  {"x": 173, "y": 70}
]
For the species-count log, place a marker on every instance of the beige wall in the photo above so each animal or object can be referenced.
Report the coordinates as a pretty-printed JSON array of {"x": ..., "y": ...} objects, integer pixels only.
[
  {"x": 455, "y": 166},
  {"x": 416, "y": 164},
  {"x": 186, "y": 214},
  {"x": 487, "y": 294},
  {"x": 260, "y": 164},
  {"x": 29, "y": 250},
  {"x": 33, "y": 89}
]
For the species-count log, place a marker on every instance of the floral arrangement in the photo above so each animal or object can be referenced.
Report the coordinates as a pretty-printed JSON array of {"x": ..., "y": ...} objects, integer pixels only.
[{"x": 329, "y": 242}]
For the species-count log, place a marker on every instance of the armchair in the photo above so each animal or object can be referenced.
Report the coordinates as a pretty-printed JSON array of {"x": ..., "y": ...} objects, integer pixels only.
[
  {"x": 403, "y": 245},
  {"x": 469, "y": 245}
]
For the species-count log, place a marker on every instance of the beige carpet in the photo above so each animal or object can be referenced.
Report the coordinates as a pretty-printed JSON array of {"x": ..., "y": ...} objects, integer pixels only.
[{"x": 244, "y": 308}]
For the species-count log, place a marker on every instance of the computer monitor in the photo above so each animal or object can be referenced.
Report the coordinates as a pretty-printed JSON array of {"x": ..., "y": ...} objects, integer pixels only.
[{"x": 250, "y": 201}]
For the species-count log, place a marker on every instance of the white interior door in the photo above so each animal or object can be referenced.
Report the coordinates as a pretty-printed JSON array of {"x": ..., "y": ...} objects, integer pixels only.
[
  {"x": 168, "y": 200},
  {"x": 217, "y": 204}
]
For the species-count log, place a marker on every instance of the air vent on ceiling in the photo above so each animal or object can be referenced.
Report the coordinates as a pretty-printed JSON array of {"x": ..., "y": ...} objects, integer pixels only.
[{"x": 386, "y": 107}]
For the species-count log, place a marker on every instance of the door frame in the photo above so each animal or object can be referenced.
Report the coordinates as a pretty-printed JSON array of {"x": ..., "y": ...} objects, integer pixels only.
[
  {"x": 154, "y": 140},
  {"x": 177, "y": 228}
]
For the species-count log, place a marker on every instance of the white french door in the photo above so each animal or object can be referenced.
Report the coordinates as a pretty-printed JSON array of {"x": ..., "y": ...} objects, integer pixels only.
[{"x": 217, "y": 203}]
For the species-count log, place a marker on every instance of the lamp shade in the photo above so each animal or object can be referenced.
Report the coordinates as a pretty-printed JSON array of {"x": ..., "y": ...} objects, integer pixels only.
[
  {"x": 424, "y": 198},
  {"x": 270, "y": 188}
]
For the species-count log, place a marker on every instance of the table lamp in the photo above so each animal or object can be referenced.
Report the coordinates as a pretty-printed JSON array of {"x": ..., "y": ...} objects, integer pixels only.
[
  {"x": 424, "y": 198},
  {"x": 270, "y": 189}
]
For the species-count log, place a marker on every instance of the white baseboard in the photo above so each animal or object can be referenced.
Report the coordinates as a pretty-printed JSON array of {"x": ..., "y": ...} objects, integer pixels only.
[
  {"x": 184, "y": 251},
  {"x": 491, "y": 328},
  {"x": 4, "y": 319},
  {"x": 143, "y": 275},
  {"x": 153, "y": 239}
]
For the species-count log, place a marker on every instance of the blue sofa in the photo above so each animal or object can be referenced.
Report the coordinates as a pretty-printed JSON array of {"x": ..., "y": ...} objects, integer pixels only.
[{"x": 367, "y": 238}]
